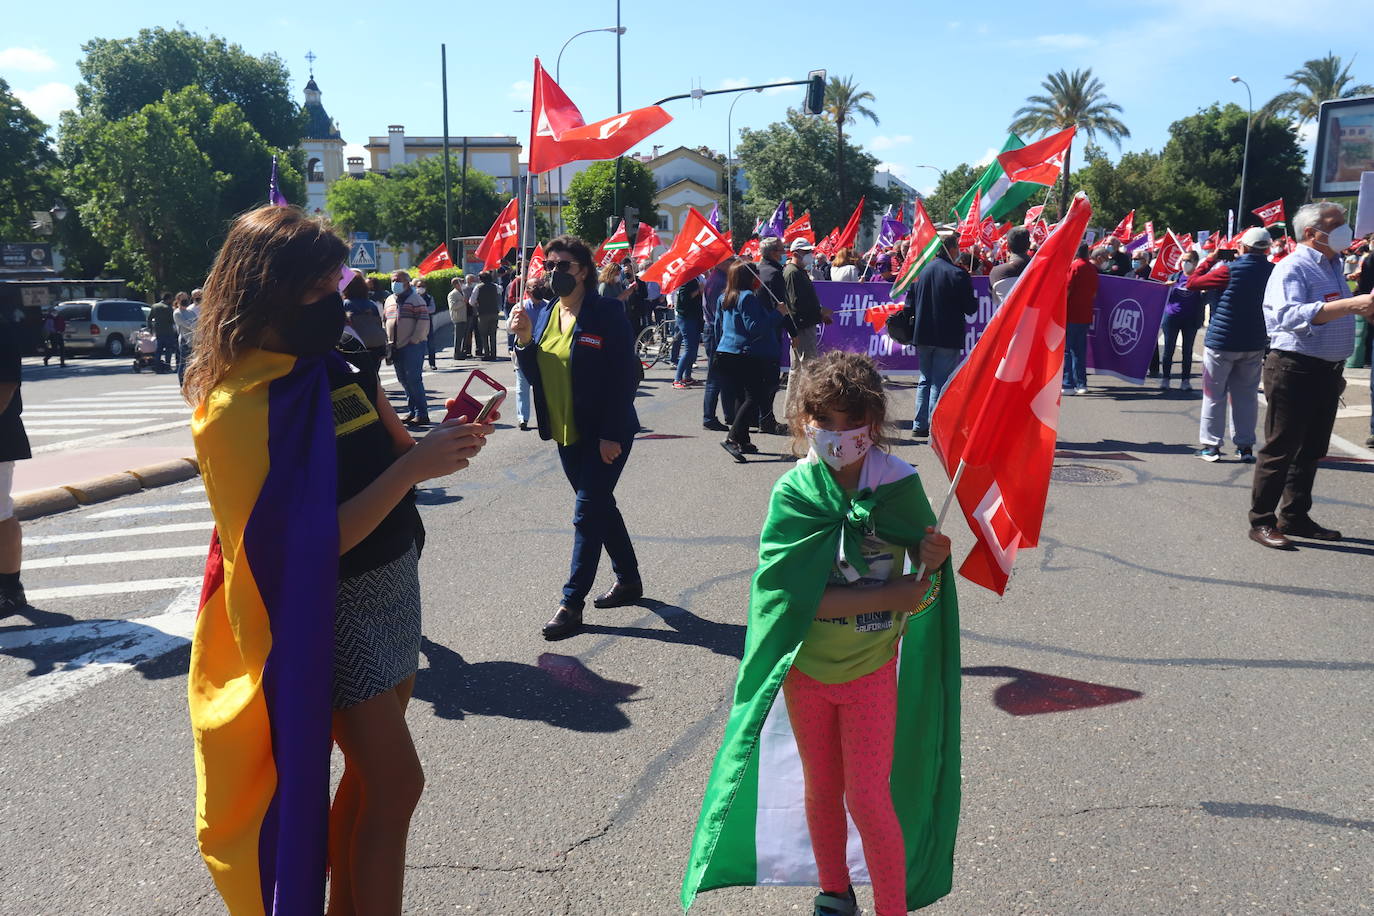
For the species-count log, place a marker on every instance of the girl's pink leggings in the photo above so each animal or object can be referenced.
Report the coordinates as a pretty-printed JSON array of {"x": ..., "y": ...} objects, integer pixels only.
[{"x": 844, "y": 735}]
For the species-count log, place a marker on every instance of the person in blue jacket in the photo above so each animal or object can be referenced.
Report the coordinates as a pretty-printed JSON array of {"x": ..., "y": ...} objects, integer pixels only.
[
  {"x": 577, "y": 351},
  {"x": 747, "y": 351}
]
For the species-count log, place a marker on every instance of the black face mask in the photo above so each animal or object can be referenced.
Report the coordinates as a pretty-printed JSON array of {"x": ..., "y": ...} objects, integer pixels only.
[
  {"x": 562, "y": 283},
  {"x": 314, "y": 328}
]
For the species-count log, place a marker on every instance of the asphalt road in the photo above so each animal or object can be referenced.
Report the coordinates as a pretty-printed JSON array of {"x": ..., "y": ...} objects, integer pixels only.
[{"x": 1159, "y": 717}]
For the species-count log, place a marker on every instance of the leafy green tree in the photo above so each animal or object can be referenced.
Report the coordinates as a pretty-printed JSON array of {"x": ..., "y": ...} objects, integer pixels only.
[
  {"x": 952, "y": 186},
  {"x": 356, "y": 204},
  {"x": 123, "y": 75},
  {"x": 1075, "y": 99},
  {"x": 26, "y": 165},
  {"x": 1316, "y": 81},
  {"x": 1115, "y": 189},
  {"x": 845, "y": 104},
  {"x": 792, "y": 159},
  {"x": 591, "y": 197}
]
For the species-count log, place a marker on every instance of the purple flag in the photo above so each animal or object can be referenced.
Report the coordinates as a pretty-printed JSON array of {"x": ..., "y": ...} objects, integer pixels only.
[
  {"x": 777, "y": 226},
  {"x": 714, "y": 217},
  {"x": 1140, "y": 241},
  {"x": 892, "y": 230},
  {"x": 274, "y": 194}
]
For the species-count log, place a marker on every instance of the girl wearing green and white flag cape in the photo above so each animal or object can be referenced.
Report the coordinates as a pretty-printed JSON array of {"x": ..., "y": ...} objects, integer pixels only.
[{"x": 855, "y": 776}]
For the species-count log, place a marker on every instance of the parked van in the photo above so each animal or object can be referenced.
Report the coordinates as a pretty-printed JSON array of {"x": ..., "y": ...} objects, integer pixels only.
[{"x": 106, "y": 325}]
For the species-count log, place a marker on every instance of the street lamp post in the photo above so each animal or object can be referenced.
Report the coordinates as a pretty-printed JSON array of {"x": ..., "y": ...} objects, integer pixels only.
[
  {"x": 729, "y": 166},
  {"x": 1245, "y": 156},
  {"x": 617, "y": 30}
]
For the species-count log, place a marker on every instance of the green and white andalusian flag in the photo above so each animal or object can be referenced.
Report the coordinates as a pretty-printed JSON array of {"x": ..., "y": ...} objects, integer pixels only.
[
  {"x": 752, "y": 828},
  {"x": 1000, "y": 195}
]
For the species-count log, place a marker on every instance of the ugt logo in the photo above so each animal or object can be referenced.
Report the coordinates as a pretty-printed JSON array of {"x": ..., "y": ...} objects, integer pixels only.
[{"x": 1125, "y": 325}]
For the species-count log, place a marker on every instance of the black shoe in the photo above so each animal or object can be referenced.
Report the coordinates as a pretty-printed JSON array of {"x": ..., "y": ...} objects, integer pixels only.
[
  {"x": 12, "y": 601},
  {"x": 775, "y": 429},
  {"x": 1308, "y": 529},
  {"x": 620, "y": 595},
  {"x": 749, "y": 448},
  {"x": 733, "y": 448},
  {"x": 845, "y": 904},
  {"x": 920, "y": 433},
  {"x": 714, "y": 425},
  {"x": 564, "y": 623},
  {"x": 524, "y": 427}
]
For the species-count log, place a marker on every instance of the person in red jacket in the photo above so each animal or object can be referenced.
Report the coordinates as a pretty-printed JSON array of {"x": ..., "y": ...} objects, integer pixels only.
[
  {"x": 1212, "y": 276},
  {"x": 1082, "y": 291}
]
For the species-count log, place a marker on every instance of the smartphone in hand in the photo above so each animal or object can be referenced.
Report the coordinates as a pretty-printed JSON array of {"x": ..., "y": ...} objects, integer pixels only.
[{"x": 480, "y": 396}]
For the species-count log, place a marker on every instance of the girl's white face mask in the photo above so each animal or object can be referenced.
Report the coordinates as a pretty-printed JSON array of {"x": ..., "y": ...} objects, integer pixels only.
[{"x": 839, "y": 448}]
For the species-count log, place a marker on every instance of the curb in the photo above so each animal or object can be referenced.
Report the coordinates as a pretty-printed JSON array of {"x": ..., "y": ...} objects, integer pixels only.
[{"x": 38, "y": 503}]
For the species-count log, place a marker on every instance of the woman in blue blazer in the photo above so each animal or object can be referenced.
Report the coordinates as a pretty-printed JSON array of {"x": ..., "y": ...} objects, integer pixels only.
[{"x": 578, "y": 354}]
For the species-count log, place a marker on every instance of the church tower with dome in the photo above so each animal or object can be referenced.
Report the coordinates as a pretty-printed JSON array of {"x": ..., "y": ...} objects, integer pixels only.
[{"x": 323, "y": 146}]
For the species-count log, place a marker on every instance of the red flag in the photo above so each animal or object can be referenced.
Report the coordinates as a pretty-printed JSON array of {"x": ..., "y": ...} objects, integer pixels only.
[
  {"x": 998, "y": 416},
  {"x": 877, "y": 315},
  {"x": 987, "y": 232},
  {"x": 646, "y": 240},
  {"x": 1125, "y": 229},
  {"x": 696, "y": 249},
  {"x": 750, "y": 251},
  {"x": 850, "y": 234},
  {"x": 1270, "y": 213},
  {"x": 1039, "y": 232},
  {"x": 1041, "y": 162},
  {"x": 536, "y": 265},
  {"x": 559, "y": 136},
  {"x": 437, "y": 259},
  {"x": 1167, "y": 261},
  {"x": 1031, "y": 215},
  {"x": 501, "y": 237},
  {"x": 800, "y": 229},
  {"x": 968, "y": 229},
  {"x": 1185, "y": 242},
  {"x": 791, "y": 217},
  {"x": 901, "y": 211},
  {"x": 827, "y": 245},
  {"x": 1210, "y": 243},
  {"x": 605, "y": 254}
]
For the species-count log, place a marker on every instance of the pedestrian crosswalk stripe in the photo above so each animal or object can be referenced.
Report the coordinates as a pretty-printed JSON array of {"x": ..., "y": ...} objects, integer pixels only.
[
  {"x": 43, "y": 422},
  {"x": 97, "y": 589},
  {"x": 117, "y": 556},
  {"x": 59, "y": 431},
  {"x": 111, "y": 436},
  {"x": 42, "y": 540},
  {"x": 62, "y": 410},
  {"x": 151, "y": 510},
  {"x": 197, "y": 488}
]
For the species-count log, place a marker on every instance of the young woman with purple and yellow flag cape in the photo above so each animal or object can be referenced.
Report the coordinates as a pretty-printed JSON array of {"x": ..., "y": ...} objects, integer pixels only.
[
  {"x": 753, "y": 827},
  {"x": 262, "y": 657}
]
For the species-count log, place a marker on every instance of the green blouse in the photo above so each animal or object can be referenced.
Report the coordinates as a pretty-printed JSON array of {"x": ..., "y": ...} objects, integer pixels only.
[{"x": 555, "y": 349}]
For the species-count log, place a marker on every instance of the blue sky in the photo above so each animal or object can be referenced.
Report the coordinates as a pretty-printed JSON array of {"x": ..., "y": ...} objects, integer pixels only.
[{"x": 946, "y": 77}]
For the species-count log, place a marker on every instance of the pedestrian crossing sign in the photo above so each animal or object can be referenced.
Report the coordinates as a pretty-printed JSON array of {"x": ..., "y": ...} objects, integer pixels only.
[{"x": 363, "y": 255}]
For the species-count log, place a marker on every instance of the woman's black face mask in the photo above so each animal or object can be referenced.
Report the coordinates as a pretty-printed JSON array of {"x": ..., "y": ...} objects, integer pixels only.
[
  {"x": 562, "y": 283},
  {"x": 313, "y": 328}
]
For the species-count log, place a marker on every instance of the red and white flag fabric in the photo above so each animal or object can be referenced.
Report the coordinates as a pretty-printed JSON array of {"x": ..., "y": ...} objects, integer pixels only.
[
  {"x": 827, "y": 245},
  {"x": 696, "y": 249},
  {"x": 1210, "y": 243},
  {"x": 1152, "y": 243},
  {"x": 800, "y": 229},
  {"x": 536, "y": 269},
  {"x": 1039, "y": 232},
  {"x": 1040, "y": 162},
  {"x": 558, "y": 134},
  {"x": 1166, "y": 263},
  {"x": 922, "y": 246},
  {"x": 1185, "y": 242},
  {"x": 1270, "y": 213},
  {"x": 999, "y": 415},
  {"x": 646, "y": 240},
  {"x": 1032, "y": 215},
  {"x": 850, "y": 233},
  {"x": 750, "y": 250},
  {"x": 437, "y": 259},
  {"x": 1125, "y": 229},
  {"x": 968, "y": 229},
  {"x": 501, "y": 237},
  {"x": 987, "y": 232}
]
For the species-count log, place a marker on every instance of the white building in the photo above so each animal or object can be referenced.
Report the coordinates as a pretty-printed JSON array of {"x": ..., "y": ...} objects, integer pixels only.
[
  {"x": 684, "y": 178},
  {"x": 323, "y": 146}
]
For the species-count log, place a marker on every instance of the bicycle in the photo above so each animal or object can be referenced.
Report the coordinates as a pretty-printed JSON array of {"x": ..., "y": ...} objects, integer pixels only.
[{"x": 655, "y": 343}]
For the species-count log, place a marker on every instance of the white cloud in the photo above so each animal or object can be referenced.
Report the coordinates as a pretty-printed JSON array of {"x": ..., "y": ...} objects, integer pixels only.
[
  {"x": 1064, "y": 41},
  {"x": 781, "y": 79},
  {"x": 521, "y": 91},
  {"x": 1307, "y": 135},
  {"x": 26, "y": 60},
  {"x": 896, "y": 168},
  {"x": 884, "y": 142},
  {"x": 733, "y": 82},
  {"x": 48, "y": 100},
  {"x": 987, "y": 157}
]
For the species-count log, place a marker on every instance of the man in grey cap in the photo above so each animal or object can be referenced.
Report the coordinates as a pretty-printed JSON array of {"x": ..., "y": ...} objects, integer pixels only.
[{"x": 1233, "y": 353}]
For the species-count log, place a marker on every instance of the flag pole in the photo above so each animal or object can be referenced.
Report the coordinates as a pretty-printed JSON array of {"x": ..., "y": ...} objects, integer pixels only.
[{"x": 944, "y": 509}]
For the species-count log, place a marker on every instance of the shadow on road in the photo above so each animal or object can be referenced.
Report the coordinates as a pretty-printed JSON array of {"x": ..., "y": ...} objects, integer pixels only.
[
  {"x": 1031, "y": 693},
  {"x": 560, "y": 690},
  {"x": 1117, "y": 445},
  {"x": 1278, "y": 812},
  {"x": 687, "y": 629}
]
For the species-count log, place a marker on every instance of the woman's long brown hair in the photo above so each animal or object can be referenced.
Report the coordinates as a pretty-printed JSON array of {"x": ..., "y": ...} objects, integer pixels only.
[
  {"x": 272, "y": 257},
  {"x": 739, "y": 279}
]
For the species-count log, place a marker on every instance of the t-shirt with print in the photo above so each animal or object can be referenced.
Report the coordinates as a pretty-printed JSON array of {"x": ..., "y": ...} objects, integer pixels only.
[{"x": 841, "y": 649}]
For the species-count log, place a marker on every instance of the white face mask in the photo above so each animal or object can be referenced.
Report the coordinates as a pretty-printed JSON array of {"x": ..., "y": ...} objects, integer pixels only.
[
  {"x": 1339, "y": 239},
  {"x": 839, "y": 448}
]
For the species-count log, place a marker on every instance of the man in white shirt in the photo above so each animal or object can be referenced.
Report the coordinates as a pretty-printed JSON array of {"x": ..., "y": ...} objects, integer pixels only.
[{"x": 458, "y": 307}]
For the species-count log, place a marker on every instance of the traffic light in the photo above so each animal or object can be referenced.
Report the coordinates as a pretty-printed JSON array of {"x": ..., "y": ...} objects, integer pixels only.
[
  {"x": 631, "y": 225},
  {"x": 815, "y": 92}
]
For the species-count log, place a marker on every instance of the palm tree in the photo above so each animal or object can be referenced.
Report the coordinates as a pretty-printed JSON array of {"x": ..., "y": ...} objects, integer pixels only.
[
  {"x": 844, "y": 103},
  {"x": 1315, "y": 82},
  {"x": 1071, "y": 100}
]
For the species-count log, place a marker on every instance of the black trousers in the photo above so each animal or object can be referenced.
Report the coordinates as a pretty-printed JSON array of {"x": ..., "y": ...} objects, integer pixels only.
[
  {"x": 1303, "y": 394},
  {"x": 752, "y": 380}
]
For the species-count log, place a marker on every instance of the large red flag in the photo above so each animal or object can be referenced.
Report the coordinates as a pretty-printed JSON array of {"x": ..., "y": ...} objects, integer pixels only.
[
  {"x": 501, "y": 237},
  {"x": 437, "y": 259},
  {"x": 646, "y": 240},
  {"x": 750, "y": 250},
  {"x": 558, "y": 135},
  {"x": 1166, "y": 263},
  {"x": 800, "y": 229},
  {"x": 1124, "y": 229},
  {"x": 850, "y": 233},
  {"x": 1041, "y": 162},
  {"x": 827, "y": 244},
  {"x": 994, "y": 427},
  {"x": 536, "y": 265},
  {"x": 1270, "y": 213},
  {"x": 696, "y": 249},
  {"x": 968, "y": 229}
]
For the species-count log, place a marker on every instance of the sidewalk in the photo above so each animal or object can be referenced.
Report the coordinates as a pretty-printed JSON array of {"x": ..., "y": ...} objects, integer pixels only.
[{"x": 61, "y": 469}]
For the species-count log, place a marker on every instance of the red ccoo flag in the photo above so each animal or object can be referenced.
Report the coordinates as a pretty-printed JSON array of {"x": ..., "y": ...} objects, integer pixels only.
[
  {"x": 827, "y": 244},
  {"x": 646, "y": 240},
  {"x": 437, "y": 259},
  {"x": 850, "y": 233},
  {"x": 696, "y": 249},
  {"x": 800, "y": 229},
  {"x": 1032, "y": 215},
  {"x": 558, "y": 135},
  {"x": 536, "y": 265},
  {"x": 1039, "y": 163},
  {"x": 501, "y": 237},
  {"x": 994, "y": 428},
  {"x": 1270, "y": 213},
  {"x": 1166, "y": 263},
  {"x": 968, "y": 229},
  {"x": 1124, "y": 229}
]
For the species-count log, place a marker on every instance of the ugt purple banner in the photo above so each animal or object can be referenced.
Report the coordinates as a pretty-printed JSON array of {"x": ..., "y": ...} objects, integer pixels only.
[{"x": 1126, "y": 318}]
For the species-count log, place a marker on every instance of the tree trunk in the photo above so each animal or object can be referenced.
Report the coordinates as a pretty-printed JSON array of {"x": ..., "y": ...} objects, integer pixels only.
[
  {"x": 1064, "y": 193},
  {"x": 839, "y": 161}
]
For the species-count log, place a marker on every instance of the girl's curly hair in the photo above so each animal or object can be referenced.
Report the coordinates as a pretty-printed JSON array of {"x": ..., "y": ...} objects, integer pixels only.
[{"x": 842, "y": 381}]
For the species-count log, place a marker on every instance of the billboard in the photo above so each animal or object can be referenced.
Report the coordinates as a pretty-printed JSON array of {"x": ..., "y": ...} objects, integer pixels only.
[{"x": 1345, "y": 146}]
